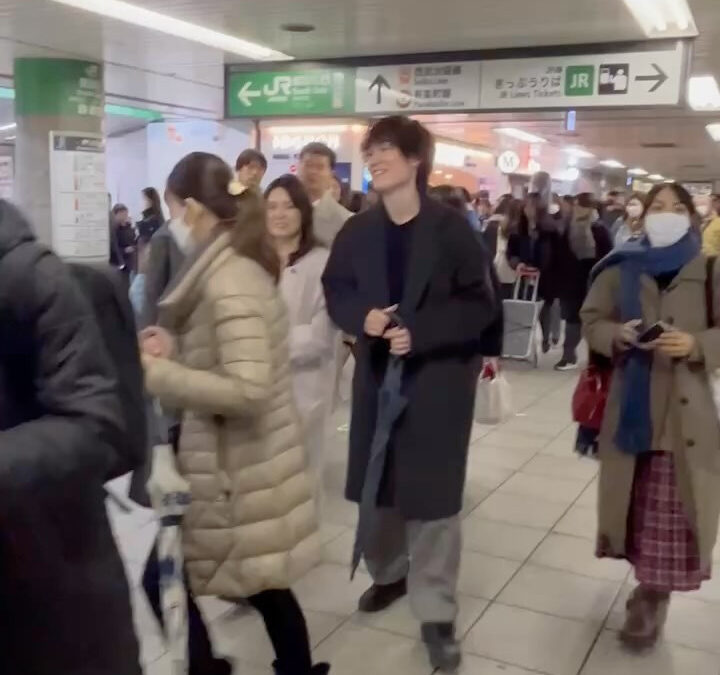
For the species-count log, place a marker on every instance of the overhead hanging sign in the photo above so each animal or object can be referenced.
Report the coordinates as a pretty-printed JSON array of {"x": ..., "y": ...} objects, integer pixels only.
[
  {"x": 423, "y": 87},
  {"x": 616, "y": 79},
  {"x": 600, "y": 80},
  {"x": 287, "y": 93}
]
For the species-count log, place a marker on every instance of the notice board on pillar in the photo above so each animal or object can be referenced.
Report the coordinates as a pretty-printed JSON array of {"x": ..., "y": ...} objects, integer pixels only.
[{"x": 79, "y": 198}]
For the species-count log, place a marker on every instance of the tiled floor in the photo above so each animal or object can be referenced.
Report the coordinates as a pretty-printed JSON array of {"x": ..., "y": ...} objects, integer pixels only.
[{"x": 533, "y": 599}]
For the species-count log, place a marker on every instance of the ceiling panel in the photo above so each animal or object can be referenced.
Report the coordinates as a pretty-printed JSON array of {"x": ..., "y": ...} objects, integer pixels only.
[{"x": 624, "y": 136}]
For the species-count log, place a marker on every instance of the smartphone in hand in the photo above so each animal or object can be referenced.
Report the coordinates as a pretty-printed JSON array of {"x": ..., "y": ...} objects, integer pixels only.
[{"x": 651, "y": 334}]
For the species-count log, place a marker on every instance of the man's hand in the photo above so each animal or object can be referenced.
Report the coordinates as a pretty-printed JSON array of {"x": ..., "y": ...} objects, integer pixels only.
[
  {"x": 400, "y": 341},
  {"x": 378, "y": 320},
  {"x": 675, "y": 343}
]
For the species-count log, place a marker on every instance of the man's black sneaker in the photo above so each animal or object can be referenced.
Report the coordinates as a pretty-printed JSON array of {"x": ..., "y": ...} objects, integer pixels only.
[
  {"x": 377, "y": 598},
  {"x": 566, "y": 365}
]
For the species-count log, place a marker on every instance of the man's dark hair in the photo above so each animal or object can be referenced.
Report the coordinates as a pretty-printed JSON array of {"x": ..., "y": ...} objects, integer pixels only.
[
  {"x": 118, "y": 208},
  {"x": 410, "y": 137},
  {"x": 321, "y": 149},
  {"x": 248, "y": 157},
  {"x": 465, "y": 194}
]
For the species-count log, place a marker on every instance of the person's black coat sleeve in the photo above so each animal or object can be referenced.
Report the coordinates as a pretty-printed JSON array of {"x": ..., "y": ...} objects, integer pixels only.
[
  {"x": 157, "y": 277},
  {"x": 473, "y": 303},
  {"x": 68, "y": 445},
  {"x": 346, "y": 305}
]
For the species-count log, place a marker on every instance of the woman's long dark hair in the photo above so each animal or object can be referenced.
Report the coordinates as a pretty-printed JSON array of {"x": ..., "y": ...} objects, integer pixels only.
[
  {"x": 301, "y": 201},
  {"x": 155, "y": 208},
  {"x": 206, "y": 179}
]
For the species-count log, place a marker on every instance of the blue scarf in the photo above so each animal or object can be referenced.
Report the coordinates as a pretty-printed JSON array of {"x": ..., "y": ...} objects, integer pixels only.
[{"x": 635, "y": 258}]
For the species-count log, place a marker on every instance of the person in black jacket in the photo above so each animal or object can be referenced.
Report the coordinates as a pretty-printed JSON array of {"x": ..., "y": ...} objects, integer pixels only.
[
  {"x": 152, "y": 217},
  {"x": 123, "y": 240},
  {"x": 420, "y": 258},
  {"x": 583, "y": 242},
  {"x": 64, "y": 598}
]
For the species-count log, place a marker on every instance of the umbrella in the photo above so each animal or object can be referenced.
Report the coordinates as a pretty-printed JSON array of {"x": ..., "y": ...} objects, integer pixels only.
[
  {"x": 170, "y": 496},
  {"x": 391, "y": 404},
  {"x": 173, "y": 596}
]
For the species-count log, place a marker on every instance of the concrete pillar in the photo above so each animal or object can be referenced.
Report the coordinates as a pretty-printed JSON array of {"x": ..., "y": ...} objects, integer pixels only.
[{"x": 59, "y": 109}]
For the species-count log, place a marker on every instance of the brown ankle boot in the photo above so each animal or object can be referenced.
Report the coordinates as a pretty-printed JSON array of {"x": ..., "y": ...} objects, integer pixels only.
[{"x": 646, "y": 615}]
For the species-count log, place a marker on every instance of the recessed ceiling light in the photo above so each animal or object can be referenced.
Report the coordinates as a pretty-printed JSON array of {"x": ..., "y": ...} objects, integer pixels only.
[
  {"x": 656, "y": 176},
  {"x": 448, "y": 176},
  {"x": 146, "y": 18},
  {"x": 519, "y": 134},
  {"x": 298, "y": 27},
  {"x": 703, "y": 93},
  {"x": 714, "y": 131},
  {"x": 637, "y": 171},
  {"x": 438, "y": 171},
  {"x": 612, "y": 164},
  {"x": 7, "y": 127},
  {"x": 663, "y": 17},
  {"x": 578, "y": 152}
]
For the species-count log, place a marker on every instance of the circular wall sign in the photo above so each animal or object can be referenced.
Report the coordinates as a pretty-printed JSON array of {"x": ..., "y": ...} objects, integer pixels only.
[{"x": 508, "y": 161}]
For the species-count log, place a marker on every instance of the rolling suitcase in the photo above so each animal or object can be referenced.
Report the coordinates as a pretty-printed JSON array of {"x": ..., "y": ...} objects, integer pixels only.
[{"x": 521, "y": 319}]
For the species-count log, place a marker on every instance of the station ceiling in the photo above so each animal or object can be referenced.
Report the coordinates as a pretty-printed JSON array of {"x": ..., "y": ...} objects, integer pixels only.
[{"x": 151, "y": 66}]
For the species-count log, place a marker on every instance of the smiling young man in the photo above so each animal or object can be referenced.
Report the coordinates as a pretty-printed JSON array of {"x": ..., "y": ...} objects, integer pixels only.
[{"x": 412, "y": 257}]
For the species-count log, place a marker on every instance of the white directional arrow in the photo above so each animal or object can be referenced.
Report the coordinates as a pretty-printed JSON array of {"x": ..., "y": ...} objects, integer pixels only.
[{"x": 246, "y": 94}]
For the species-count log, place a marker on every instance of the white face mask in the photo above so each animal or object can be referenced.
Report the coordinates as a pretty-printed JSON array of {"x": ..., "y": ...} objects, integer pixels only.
[
  {"x": 666, "y": 229},
  {"x": 553, "y": 209},
  {"x": 180, "y": 230},
  {"x": 634, "y": 210},
  {"x": 703, "y": 210}
]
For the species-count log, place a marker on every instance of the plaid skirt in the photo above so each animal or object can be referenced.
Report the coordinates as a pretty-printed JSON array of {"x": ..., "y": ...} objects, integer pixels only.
[{"x": 660, "y": 542}]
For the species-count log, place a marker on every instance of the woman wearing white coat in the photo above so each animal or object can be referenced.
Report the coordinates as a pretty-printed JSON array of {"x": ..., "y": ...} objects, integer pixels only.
[{"x": 313, "y": 339}]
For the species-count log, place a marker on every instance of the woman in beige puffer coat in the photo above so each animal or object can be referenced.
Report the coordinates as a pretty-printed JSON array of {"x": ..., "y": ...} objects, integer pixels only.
[{"x": 251, "y": 528}]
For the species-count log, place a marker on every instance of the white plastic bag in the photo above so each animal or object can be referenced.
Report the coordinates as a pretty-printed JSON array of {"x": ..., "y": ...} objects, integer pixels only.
[{"x": 493, "y": 402}]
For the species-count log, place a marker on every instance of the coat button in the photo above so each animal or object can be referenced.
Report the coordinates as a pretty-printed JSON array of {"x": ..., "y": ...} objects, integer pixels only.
[
  {"x": 684, "y": 401},
  {"x": 690, "y": 443}
]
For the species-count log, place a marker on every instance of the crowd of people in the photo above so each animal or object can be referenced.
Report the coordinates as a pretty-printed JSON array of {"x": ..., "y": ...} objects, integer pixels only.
[{"x": 248, "y": 303}]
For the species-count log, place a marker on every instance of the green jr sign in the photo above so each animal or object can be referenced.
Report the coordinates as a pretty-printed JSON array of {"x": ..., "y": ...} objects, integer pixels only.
[{"x": 299, "y": 92}]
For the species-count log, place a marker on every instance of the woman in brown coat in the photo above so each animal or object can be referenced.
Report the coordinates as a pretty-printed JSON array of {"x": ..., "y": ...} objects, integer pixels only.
[
  {"x": 251, "y": 529},
  {"x": 659, "y": 447}
]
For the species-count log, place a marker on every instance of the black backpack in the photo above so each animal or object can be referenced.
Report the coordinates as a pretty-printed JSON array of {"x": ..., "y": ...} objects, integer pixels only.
[{"x": 106, "y": 290}]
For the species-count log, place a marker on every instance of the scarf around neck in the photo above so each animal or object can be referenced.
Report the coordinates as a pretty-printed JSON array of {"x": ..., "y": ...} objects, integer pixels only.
[{"x": 636, "y": 258}]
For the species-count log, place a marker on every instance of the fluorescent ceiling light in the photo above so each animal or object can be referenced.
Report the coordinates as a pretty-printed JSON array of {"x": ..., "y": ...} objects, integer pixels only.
[
  {"x": 569, "y": 175},
  {"x": 578, "y": 152},
  {"x": 637, "y": 172},
  {"x": 703, "y": 93},
  {"x": 663, "y": 17},
  {"x": 316, "y": 129},
  {"x": 451, "y": 154},
  {"x": 519, "y": 134},
  {"x": 7, "y": 127},
  {"x": 146, "y": 18},
  {"x": 656, "y": 176},
  {"x": 714, "y": 131},
  {"x": 612, "y": 164}
]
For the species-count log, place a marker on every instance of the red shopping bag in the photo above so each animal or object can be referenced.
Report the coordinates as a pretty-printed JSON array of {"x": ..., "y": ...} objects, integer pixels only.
[{"x": 590, "y": 397}]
